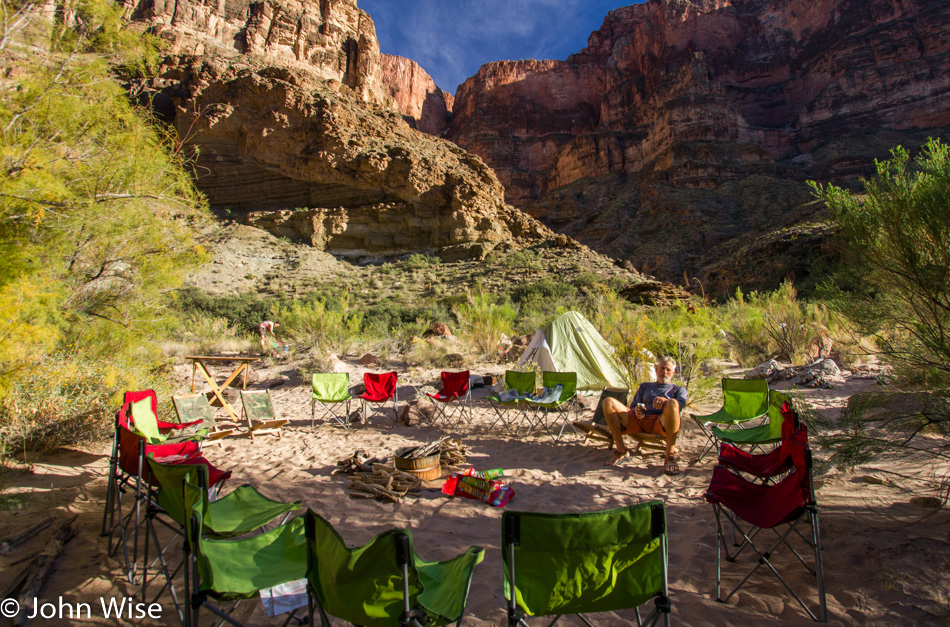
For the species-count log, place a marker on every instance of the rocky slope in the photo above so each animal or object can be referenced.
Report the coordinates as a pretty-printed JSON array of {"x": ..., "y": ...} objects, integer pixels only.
[
  {"x": 681, "y": 137},
  {"x": 296, "y": 133}
]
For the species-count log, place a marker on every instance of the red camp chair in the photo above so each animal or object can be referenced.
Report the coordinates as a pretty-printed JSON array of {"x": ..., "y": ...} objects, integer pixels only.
[
  {"x": 380, "y": 389},
  {"x": 129, "y": 473},
  {"x": 771, "y": 501},
  {"x": 454, "y": 390},
  {"x": 164, "y": 427}
]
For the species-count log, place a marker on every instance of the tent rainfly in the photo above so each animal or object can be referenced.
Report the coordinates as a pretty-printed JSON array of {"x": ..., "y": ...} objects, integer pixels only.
[{"x": 570, "y": 343}]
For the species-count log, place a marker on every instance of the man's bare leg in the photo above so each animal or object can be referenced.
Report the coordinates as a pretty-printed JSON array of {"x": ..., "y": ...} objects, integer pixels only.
[
  {"x": 614, "y": 412},
  {"x": 671, "y": 425}
]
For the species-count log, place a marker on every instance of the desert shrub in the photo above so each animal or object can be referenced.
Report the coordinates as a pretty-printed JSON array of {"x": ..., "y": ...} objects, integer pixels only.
[
  {"x": 895, "y": 280},
  {"x": 695, "y": 340},
  {"x": 206, "y": 335},
  {"x": 541, "y": 301},
  {"x": 419, "y": 261},
  {"x": 744, "y": 324},
  {"x": 483, "y": 321},
  {"x": 792, "y": 324},
  {"x": 69, "y": 399},
  {"x": 314, "y": 324},
  {"x": 624, "y": 327},
  {"x": 97, "y": 214},
  {"x": 401, "y": 321},
  {"x": 244, "y": 312}
]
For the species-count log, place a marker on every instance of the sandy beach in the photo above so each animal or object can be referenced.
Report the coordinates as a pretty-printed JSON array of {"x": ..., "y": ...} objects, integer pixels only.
[{"x": 885, "y": 559}]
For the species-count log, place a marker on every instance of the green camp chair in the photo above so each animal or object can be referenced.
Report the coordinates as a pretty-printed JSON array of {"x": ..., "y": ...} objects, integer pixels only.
[
  {"x": 518, "y": 385},
  {"x": 556, "y": 564},
  {"x": 331, "y": 389},
  {"x": 769, "y": 432},
  {"x": 230, "y": 570},
  {"x": 258, "y": 409},
  {"x": 190, "y": 407},
  {"x": 561, "y": 403},
  {"x": 742, "y": 400},
  {"x": 241, "y": 511},
  {"x": 383, "y": 583}
]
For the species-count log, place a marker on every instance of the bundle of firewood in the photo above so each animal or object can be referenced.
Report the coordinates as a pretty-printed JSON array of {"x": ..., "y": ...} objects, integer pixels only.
[
  {"x": 453, "y": 452},
  {"x": 424, "y": 450},
  {"x": 383, "y": 483},
  {"x": 359, "y": 461}
]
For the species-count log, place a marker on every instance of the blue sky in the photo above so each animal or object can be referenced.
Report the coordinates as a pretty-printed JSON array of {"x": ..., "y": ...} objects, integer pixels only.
[{"x": 451, "y": 39}]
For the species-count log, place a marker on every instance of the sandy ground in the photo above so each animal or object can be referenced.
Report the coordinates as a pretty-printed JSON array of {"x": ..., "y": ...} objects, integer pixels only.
[{"x": 886, "y": 561}]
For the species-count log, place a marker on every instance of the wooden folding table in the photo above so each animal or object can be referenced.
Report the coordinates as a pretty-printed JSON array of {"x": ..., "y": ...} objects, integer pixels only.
[{"x": 198, "y": 363}]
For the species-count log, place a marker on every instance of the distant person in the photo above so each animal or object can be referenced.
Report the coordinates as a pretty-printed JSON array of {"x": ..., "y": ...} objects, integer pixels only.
[
  {"x": 264, "y": 328},
  {"x": 656, "y": 409}
]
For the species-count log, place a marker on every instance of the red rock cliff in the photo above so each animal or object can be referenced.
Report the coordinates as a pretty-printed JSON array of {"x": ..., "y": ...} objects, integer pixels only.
[
  {"x": 423, "y": 105},
  {"x": 332, "y": 39},
  {"x": 686, "y": 129}
]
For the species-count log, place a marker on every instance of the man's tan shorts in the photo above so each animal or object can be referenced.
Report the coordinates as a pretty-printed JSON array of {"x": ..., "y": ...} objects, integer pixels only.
[{"x": 647, "y": 424}]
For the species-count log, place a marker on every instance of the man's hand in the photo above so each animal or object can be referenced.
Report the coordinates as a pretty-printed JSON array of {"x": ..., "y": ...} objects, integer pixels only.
[{"x": 659, "y": 402}]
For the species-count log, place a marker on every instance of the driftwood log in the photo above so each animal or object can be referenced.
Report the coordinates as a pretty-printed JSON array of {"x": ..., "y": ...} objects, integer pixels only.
[
  {"x": 31, "y": 580},
  {"x": 12, "y": 541},
  {"x": 383, "y": 483}
]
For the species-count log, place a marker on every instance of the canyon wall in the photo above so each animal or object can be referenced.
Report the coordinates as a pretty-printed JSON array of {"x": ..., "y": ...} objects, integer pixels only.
[
  {"x": 295, "y": 132},
  {"x": 332, "y": 39},
  {"x": 681, "y": 138},
  {"x": 423, "y": 105}
]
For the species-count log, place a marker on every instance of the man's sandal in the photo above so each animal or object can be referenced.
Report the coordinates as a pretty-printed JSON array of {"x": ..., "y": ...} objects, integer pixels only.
[{"x": 671, "y": 467}]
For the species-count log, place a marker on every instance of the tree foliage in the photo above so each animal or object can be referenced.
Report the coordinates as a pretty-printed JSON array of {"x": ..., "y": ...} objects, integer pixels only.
[
  {"x": 96, "y": 206},
  {"x": 895, "y": 238}
]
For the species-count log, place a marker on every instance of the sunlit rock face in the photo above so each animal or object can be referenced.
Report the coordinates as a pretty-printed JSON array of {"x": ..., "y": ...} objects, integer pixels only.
[
  {"x": 295, "y": 132},
  {"x": 279, "y": 150},
  {"x": 681, "y": 138},
  {"x": 422, "y": 104},
  {"x": 332, "y": 39}
]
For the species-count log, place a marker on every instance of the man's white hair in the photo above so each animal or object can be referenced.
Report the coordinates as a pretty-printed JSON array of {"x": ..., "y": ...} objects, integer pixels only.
[{"x": 666, "y": 359}]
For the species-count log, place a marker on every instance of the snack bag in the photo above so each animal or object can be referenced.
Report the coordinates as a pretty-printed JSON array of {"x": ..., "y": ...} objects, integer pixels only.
[
  {"x": 494, "y": 473},
  {"x": 493, "y": 492}
]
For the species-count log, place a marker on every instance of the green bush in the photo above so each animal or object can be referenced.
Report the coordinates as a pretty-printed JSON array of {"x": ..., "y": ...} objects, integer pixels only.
[
  {"x": 695, "y": 340},
  {"x": 484, "y": 321}
]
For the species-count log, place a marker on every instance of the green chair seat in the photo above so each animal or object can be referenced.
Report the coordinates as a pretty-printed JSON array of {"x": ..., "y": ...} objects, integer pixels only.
[
  {"x": 557, "y": 564},
  {"x": 767, "y": 433},
  {"x": 240, "y": 568},
  {"x": 562, "y": 405},
  {"x": 743, "y": 400},
  {"x": 365, "y": 586}
]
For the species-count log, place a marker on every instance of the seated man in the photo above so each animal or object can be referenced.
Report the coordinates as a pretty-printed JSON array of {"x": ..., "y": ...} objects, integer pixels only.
[{"x": 656, "y": 409}]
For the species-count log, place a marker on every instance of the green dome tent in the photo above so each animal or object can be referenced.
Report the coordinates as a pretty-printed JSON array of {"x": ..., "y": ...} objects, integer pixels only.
[{"x": 570, "y": 343}]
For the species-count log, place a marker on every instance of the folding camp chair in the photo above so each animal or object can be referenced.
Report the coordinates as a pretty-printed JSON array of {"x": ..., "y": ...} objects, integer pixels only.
[
  {"x": 240, "y": 511},
  {"x": 557, "y": 564},
  {"x": 229, "y": 570},
  {"x": 197, "y": 408},
  {"x": 331, "y": 389},
  {"x": 455, "y": 391},
  {"x": 143, "y": 414},
  {"x": 380, "y": 389},
  {"x": 782, "y": 507},
  {"x": 129, "y": 482},
  {"x": 597, "y": 427},
  {"x": 770, "y": 432},
  {"x": 742, "y": 400},
  {"x": 518, "y": 386},
  {"x": 258, "y": 409},
  {"x": 561, "y": 403},
  {"x": 383, "y": 583}
]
